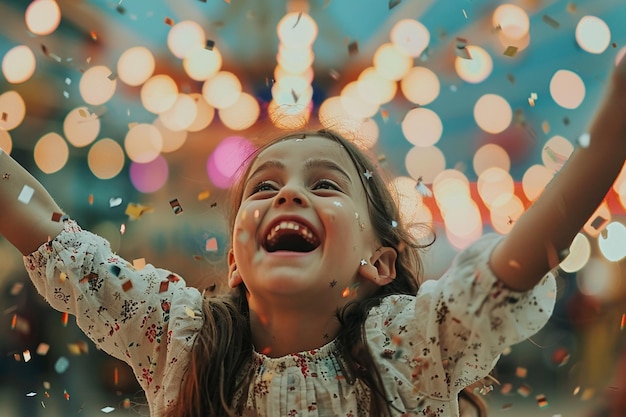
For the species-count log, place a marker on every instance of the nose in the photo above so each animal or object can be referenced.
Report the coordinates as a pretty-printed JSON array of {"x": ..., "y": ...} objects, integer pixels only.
[{"x": 290, "y": 194}]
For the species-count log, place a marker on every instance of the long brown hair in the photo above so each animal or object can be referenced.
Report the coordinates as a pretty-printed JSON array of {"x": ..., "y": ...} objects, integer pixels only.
[{"x": 217, "y": 372}]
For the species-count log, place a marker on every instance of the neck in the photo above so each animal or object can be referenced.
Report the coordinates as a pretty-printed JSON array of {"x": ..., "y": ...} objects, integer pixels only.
[{"x": 277, "y": 332}]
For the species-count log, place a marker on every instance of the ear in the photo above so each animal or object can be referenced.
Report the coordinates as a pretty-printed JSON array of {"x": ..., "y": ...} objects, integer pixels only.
[
  {"x": 234, "y": 279},
  {"x": 381, "y": 268}
]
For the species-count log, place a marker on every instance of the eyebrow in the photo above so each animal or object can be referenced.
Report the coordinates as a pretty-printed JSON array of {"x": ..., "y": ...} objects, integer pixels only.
[{"x": 309, "y": 164}]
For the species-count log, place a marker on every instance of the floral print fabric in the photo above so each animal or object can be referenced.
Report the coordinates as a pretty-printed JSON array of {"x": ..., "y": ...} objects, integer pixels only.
[{"x": 427, "y": 347}]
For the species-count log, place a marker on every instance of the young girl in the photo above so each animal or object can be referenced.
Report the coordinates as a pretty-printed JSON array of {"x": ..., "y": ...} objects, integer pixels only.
[{"x": 325, "y": 317}]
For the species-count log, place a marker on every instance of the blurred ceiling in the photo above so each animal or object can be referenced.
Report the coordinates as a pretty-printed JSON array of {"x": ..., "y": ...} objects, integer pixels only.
[{"x": 96, "y": 32}]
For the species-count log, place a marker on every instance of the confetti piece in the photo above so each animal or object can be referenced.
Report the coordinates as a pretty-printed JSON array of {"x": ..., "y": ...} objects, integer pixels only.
[
  {"x": 26, "y": 194},
  {"x": 353, "y": 48},
  {"x": 94, "y": 35},
  {"x": 422, "y": 188},
  {"x": 524, "y": 390},
  {"x": 31, "y": 394},
  {"x": 78, "y": 348},
  {"x": 545, "y": 127},
  {"x": 64, "y": 318},
  {"x": 26, "y": 355},
  {"x": 115, "y": 201},
  {"x": 61, "y": 365},
  {"x": 511, "y": 78},
  {"x": 542, "y": 402},
  {"x": 531, "y": 100},
  {"x": 176, "y": 207},
  {"x": 107, "y": 410},
  {"x": 122, "y": 229},
  {"x": 169, "y": 21},
  {"x": 510, "y": 51},
  {"x": 42, "y": 349},
  {"x": 16, "y": 288},
  {"x": 550, "y": 21},
  {"x": 521, "y": 372},
  {"x": 139, "y": 263},
  {"x": 598, "y": 222},
  {"x": 623, "y": 323},
  {"x": 334, "y": 74},
  {"x": 393, "y": 3},
  {"x": 560, "y": 356},
  {"x": 135, "y": 211},
  {"x": 211, "y": 245},
  {"x": 204, "y": 195},
  {"x": 461, "y": 49},
  {"x": 190, "y": 312},
  {"x": 115, "y": 376}
]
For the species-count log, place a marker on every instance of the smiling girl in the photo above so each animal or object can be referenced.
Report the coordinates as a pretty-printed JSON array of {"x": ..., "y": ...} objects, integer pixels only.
[{"x": 325, "y": 317}]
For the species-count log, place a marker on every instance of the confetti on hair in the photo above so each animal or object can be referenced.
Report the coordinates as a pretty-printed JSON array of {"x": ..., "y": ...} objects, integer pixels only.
[{"x": 367, "y": 174}]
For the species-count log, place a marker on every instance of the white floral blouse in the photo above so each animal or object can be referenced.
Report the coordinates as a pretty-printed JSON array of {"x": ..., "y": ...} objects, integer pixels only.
[{"x": 427, "y": 347}]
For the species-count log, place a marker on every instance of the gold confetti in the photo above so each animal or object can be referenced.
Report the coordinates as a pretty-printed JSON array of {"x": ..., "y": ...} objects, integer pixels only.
[
  {"x": 135, "y": 211},
  {"x": 550, "y": 21},
  {"x": 139, "y": 263},
  {"x": 510, "y": 51},
  {"x": 204, "y": 195}
]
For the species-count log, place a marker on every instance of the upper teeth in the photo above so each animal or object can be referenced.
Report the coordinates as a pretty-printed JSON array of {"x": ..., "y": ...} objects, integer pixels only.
[{"x": 289, "y": 225}]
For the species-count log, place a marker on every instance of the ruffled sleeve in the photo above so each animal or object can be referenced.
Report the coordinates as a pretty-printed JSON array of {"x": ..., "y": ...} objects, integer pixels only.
[
  {"x": 146, "y": 317},
  {"x": 451, "y": 334}
]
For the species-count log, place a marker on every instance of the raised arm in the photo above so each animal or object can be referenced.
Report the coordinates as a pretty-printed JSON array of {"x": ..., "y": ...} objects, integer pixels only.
[
  {"x": 548, "y": 227},
  {"x": 26, "y": 221}
]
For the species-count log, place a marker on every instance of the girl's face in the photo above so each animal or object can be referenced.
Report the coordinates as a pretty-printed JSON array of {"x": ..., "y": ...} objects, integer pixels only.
[{"x": 303, "y": 226}]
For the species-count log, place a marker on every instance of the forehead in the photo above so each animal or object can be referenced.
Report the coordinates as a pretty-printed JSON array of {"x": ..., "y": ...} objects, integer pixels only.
[{"x": 299, "y": 150}]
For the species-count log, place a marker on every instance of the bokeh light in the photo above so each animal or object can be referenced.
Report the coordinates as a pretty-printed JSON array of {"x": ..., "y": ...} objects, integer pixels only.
[
  {"x": 6, "y": 143},
  {"x": 450, "y": 187},
  {"x": 222, "y": 90},
  {"x": 535, "y": 180},
  {"x": 225, "y": 164},
  {"x": 593, "y": 34},
  {"x": 556, "y": 151},
  {"x": 612, "y": 242},
  {"x": 12, "y": 109},
  {"x": 204, "y": 116},
  {"x": 42, "y": 17},
  {"x": 367, "y": 134},
  {"x": 476, "y": 69},
  {"x": 294, "y": 60},
  {"x": 81, "y": 127},
  {"x": 181, "y": 115},
  {"x": 405, "y": 194},
  {"x": 490, "y": 155},
  {"x": 185, "y": 37},
  {"x": 375, "y": 88},
  {"x": 135, "y": 66},
  {"x": 297, "y": 30},
  {"x": 579, "y": 253},
  {"x": 567, "y": 89},
  {"x": 149, "y": 177},
  {"x": 97, "y": 85},
  {"x": 159, "y": 93},
  {"x": 494, "y": 183},
  {"x": 172, "y": 140},
  {"x": 202, "y": 63},
  {"x": 143, "y": 143},
  {"x": 493, "y": 113},
  {"x": 241, "y": 115},
  {"x": 391, "y": 62},
  {"x": 289, "y": 117},
  {"x": 425, "y": 162},
  {"x": 355, "y": 103},
  {"x": 420, "y": 86},
  {"x": 410, "y": 36},
  {"x": 18, "y": 64},
  {"x": 51, "y": 153},
  {"x": 332, "y": 115},
  {"x": 511, "y": 20},
  {"x": 105, "y": 159},
  {"x": 422, "y": 127}
]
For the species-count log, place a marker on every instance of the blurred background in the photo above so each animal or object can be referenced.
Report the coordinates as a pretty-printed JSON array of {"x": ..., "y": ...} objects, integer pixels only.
[{"x": 136, "y": 115}]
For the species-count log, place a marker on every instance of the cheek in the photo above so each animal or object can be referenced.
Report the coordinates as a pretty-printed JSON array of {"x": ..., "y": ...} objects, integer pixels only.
[{"x": 246, "y": 222}]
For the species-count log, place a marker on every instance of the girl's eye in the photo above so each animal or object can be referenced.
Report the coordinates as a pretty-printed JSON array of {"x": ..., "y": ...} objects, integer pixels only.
[
  {"x": 263, "y": 186},
  {"x": 325, "y": 185}
]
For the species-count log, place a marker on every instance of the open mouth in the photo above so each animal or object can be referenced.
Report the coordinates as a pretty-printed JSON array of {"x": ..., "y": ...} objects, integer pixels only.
[{"x": 289, "y": 235}]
